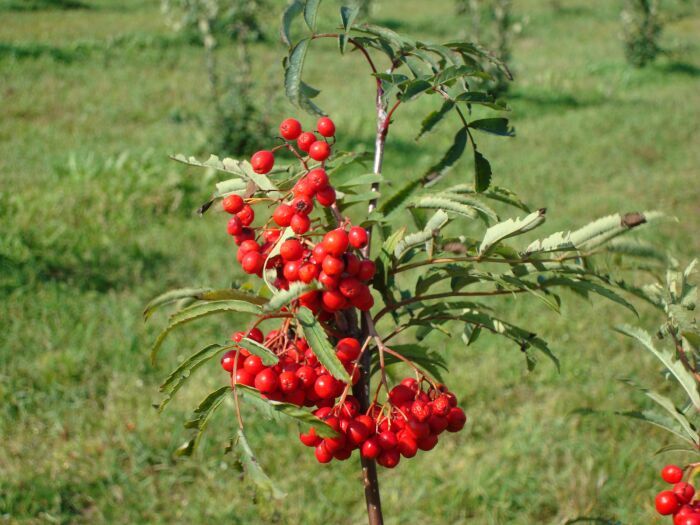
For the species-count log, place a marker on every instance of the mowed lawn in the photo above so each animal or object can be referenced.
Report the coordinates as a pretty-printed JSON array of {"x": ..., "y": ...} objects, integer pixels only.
[{"x": 95, "y": 220}]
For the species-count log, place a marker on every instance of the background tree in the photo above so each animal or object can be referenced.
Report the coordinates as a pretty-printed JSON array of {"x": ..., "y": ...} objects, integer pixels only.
[{"x": 641, "y": 31}]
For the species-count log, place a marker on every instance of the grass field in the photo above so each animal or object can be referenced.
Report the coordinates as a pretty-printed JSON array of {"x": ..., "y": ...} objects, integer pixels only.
[{"x": 95, "y": 220}]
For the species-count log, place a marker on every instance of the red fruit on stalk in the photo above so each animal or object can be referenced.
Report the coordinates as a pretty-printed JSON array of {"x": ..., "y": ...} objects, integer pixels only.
[
  {"x": 262, "y": 161},
  {"x": 370, "y": 448},
  {"x": 266, "y": 381},
  {"x": 246, "y": 215},
  {"x": 389, "y": 458},
  {"x": 256, "y": 335},
  {"x": 319, "y": 253},
  {"x": 407, "y": 445},
  {"x": 672, "y": 474},
  {"x": 421, "y": 410},
  {"x": 288, "y": 382},
  {"x": 428, "y": 442},
  {"x": 310, "y": 439},
  {"x": 243, "y": 377},
  {"x": 456, "y": 419},
  {"x": 252, "y": 262},
  {"x": 305, "y": 140},
  {"x": 325, "y": 127},
  {"x": 304, "y": 187},
  {"x": 290, "y": 129},
  {"x": 318, "y": 179},
  {"x": 325, "y": 196},
  {"x": 291, "y": 250},
  {"x": 295, "y": 397},
  {"x": 691, "y": 518},
  {"x": 249, "y": 246},
  {"x": 352, "y": 264},
  {"x": 271, "y": 234},
  {"x": 333, "y": 301},
  {"x": 319, "y": 150},
  {"x": 246, "y": 235},
  {"x": 308, "y": 272},
  {"x": 228, "y": 360},
  {"x": 343, "y": 454},
  {"x": 351, "y": 287},
  {"x": 335, "y": 242},
  {"x": 253, "y": 364},
  {"x": 303, "y": 205},
  {"x": 348, "y": 349},
  {"x": 300, "y": 224},
  {"x": 400, "y": 394},
  {"x": 684, "y": 492},
  {"x": 666, "y": 503},
  {"x": 357, "y": 237},
  {"x": 387, "y": 440},
  {"x": 333, "y": 265},
  {"x": 366, "y": 271},
  {"x": 357, "y": 433},
  {"x": 411, "y": 382},
  {"x": 322, "y": 453},
  {"x": 417, "y": 429},
  {"x": 232, "y": 203},
  {"x": 437, "y": 424},
  {"x": 350, "y": 407},
  {"x": 234, "y": 226},
  {"x": 441, "y": 405},
  {"x": 283, "y": 215},
  {"x": 325, "y": 386}
]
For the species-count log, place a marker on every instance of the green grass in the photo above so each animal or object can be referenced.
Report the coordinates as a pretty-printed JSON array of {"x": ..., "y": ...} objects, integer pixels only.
[{"x": 95, "y": 220}]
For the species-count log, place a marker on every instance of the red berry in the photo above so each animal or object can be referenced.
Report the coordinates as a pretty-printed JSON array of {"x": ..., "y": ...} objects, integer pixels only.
[
  {"x": 334, "y": 444},
  {"x": 351, "y": 287},
  {"x": 387, "y": 440},
  {"x": 310, "y": 439},
  {"x": 684, "y": 492},
  {"x": 262, "y": 161},
  {"x": 389, "y": 458},
  {"x": 357, "y": 237},
  {"x": 308, "y": 272},
  {"x": 332, "y": 265},
  {"x": 370, "y": 448},
  {"x": 243, "y": 377},
  {"x": 290, "y": 129},
  {"x": 256, "y": 335},
  {"x": 249, "y": 246},
  {"x": 687, "y": 519},
  {"x": 253, "y": 364},
  {"x": 437, "y": 423},
  {"x": 305, "y": 140},
  {"x": 252, "y": 262},
  {"x": 366, "y": 271},
  {"x": 357, "y": 433},
  {"x": 232, "y": 203},
  {"x": 417, "y": 428},
  {"x": 348, "y": 349},
  {"x": 333, "y": 301},
  {"x": 318, "y": 178},
  {"x": 330, "y": 282},
  {"x": 246, "y": 215},
  {"x": 303, "y": 205},
  {"x": 368, "y": 422},
  {"x": 407, "y": 445},
  {"x": 307, "y": 376},
  {"x": 441, "y": 405},
  {"x": 335, "y": 242},
  {"x": 322, "y": 453},
  {"x": 400, "y": 394},
  {"x": 411, "y": 383},
  {"x": 291, "y": 250},
  {"x": 666, "y": 503},
  {"x": 304, "y": 187},
  {"x": 325, "y": 127},
  {"x": 283, "y": 215},
  {"x": 456, "y": 419},
  {"x": 421, "y": 410},
  {"x": 228, "y": 360},
  {"x": 246, "y": 235},
  {"x": 428, "y": 442},
  {"x": 325, "y": 386},
  {"x": 326, "y": 196},
  {"x": 288, "y": 382},
  {"x": 234, "y": 226},
  {"x": 319, "y": 253},
  {"x": 672, "y": 474},
  {"x": 300, "y": 224},
  {"x": 291, "y": 271},
  {"x": 343, "y": 454},
  {"x": 319, "y": 150},
  {"x": 352, "y": 264},
  {"x": 271, "y": 234}
]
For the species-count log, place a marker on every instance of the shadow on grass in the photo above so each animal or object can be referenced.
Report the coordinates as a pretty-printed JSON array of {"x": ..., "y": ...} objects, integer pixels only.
[
  {"x": 539, "y": 102},
  {"x": 679, "y": 68},
  {"x": 37, "y": 5}
]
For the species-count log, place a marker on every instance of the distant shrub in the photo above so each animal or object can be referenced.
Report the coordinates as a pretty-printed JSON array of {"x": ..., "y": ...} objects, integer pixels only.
[{"x": 641, "y": 31}]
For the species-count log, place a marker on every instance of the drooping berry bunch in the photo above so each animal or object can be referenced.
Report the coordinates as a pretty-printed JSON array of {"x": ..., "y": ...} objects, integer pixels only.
[
  {"x": 417, "y": 410},
  {"x": 678, "y": 502},
  {"x": 335, "y": 262},
  {"x": 411, "y": 420}
]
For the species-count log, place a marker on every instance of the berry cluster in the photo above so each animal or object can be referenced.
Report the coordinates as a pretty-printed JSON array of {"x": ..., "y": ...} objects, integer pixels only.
[
  {"x": 416, "y": 411},
  {"x": 678, "y": 502},
  {"x": 412, "y": 420},
  {"x": 335, "y": 262}
]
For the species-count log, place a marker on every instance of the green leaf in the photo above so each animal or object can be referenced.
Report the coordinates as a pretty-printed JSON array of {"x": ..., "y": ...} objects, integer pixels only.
[
  {"x": 284, "y": 297},
  {"x": 453, "y": 154},
  {"x": 182, "y": 373},
  {"x": 593, "y": 234},
  {"x": 510, "y": 228},
  {"x": 432, "y": 229},
  {"x": 348, "y": 16},
  {"x": 433, "y": 119},
  {"x": 200, "y": 294},
  {"x": 198, "y": 311},
  {"x": 384, "y": 261},
  {"x": 399, "y": 197},
  {"x": 201, "y": 417},
  {"x": 293, "y": 71},
  {"x": 253, "y": 469},
  {"x": 482, "y": 172},
  {"x": 265, "y": 354},
  {"x": 658, "y": 420},
  {"x": 441, "y": 202},
  {"x": 495, "y": 193},
  {"x": 415, "y": 88},
  {"x": 352, "y": 180},
  {"x": 278, "y": 411},
  {"x": 311, "y": 13},
  {"x": 495, "y": 126},
  {"x": 318, "y": 341},
  {"x": 583, "y": 286},
  {"x": 481, "y": 99},
  {"x": 293, "y": 10},
  {"x": 675, "y": 367}
]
